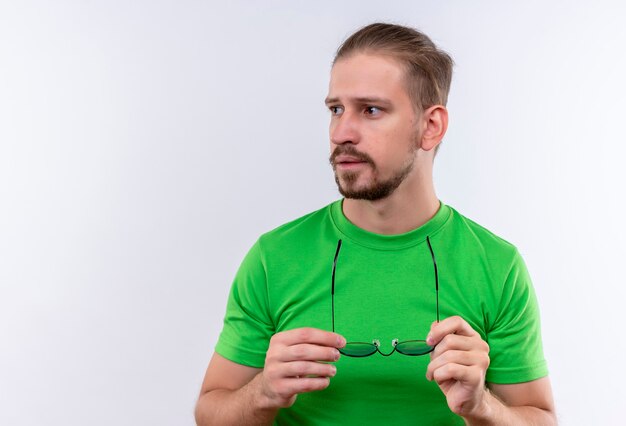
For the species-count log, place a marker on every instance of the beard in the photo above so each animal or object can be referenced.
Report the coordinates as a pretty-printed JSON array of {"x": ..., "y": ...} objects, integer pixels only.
[{"x": 377, "y": 189}]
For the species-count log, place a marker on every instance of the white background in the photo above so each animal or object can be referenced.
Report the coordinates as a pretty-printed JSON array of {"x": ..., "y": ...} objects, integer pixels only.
[{"x": 145, "y": 145}]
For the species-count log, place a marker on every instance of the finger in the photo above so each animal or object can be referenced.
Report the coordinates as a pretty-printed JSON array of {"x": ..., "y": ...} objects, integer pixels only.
[
  {"x": 308, "y": 352},
  {"x": 307, "y": 368},
  {"x": 292, "y": 386},
  {"x": 460, "y": 373},
  {"x": 452, "y": 325},
  {"x": 309, "y": 335},
  {"x": 476, "y": 359},
  {"x": 458, "y": 343}
]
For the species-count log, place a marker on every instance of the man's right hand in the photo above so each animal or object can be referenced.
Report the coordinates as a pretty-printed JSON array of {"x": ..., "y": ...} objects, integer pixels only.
[{"x": 295, "y": 363}]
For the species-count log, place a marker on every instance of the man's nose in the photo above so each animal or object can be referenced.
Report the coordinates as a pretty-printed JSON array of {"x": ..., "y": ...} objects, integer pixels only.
[{"x": 344, "y": 129}]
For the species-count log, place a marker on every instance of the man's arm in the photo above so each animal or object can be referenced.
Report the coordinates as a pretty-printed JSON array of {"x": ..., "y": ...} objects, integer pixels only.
[
  {"x": 234, "y": 394},
  {"x": 520, "y": 403},
  {"x": 459, "y": 365},
  {"x": 229, "y": 395}
]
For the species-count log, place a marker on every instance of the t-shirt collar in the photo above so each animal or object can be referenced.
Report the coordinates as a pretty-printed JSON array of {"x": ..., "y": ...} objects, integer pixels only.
[{"x": 388, "y": 242}]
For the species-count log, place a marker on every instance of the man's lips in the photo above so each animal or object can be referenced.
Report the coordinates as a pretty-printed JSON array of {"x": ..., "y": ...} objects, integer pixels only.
[
  {"x": 347, "y": 161},
  {"x": 350, "y": 165}
]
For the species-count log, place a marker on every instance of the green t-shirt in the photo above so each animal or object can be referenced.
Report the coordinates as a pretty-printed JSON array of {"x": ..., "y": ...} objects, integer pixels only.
[{"x": 384, "y": 290}]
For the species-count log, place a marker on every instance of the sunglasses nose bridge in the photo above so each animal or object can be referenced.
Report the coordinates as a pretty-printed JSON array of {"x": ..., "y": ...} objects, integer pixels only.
[{"x": 394, "y": 342}]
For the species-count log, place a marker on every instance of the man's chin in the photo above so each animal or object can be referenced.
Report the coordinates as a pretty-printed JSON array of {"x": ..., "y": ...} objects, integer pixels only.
[
  {"x": 368, "y": 194},
  {"x": 355, "y": 187},
  {"x": 352, "y": 190}
]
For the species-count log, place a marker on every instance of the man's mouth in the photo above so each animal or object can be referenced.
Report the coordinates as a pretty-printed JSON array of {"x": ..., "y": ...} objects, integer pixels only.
[
  {"x": 350, "y": 165},
  {"x": 348, "y": 162}
]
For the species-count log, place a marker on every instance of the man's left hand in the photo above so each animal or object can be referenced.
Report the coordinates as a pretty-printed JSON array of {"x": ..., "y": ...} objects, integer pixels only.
[{"x": 459, "y": 364}]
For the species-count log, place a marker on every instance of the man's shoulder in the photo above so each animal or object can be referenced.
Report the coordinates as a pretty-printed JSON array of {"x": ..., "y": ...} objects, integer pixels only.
[
  {"x": 310, "y": 225},
  {"x": 472, "y": 232}
]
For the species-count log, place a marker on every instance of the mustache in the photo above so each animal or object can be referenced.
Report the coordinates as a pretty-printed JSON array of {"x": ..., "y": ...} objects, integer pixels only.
[{"x": 352, "y": 152}]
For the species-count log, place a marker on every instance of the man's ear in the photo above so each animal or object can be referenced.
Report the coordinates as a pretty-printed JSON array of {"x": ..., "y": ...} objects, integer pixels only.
[{"x": 434, "y": 126}]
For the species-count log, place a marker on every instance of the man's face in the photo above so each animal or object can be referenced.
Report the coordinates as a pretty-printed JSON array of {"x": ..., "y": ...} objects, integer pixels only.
[{"x": 373, "y": 127}]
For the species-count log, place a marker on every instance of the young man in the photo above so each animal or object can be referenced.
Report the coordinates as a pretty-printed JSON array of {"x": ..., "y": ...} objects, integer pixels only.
[{"x": 388, "y": 306}]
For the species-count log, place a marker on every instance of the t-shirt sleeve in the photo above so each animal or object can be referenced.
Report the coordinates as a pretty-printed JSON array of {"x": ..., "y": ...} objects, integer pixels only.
[
  {"x": 516, "y": 349},
  {"x": 248, "y": 326}
]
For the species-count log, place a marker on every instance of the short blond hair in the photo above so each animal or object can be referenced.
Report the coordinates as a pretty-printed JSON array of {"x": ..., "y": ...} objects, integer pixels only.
[{"x": 428, "y": 69}]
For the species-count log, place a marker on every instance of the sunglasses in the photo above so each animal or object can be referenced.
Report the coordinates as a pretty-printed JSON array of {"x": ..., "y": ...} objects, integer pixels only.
[{"x": 405, "y": 347}]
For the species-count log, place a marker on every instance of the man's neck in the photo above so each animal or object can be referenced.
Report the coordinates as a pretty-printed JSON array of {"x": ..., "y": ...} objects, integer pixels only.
[{"x": 410, "y": 206}]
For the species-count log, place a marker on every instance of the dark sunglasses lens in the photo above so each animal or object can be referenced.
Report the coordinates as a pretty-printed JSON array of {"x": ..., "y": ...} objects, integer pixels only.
[
  {"x": 358, "y": 349},
  {"x": 414, "y": 347}
]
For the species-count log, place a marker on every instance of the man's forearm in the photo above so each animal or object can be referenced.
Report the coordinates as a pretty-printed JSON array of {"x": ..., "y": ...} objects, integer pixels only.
[
  {"x": 495, "y": 412},
  {"x": 243, "y": 406}
]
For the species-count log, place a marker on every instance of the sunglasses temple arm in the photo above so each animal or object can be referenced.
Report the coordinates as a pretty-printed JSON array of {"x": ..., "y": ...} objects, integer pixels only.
[
  {"x": 432, "y": 253},
  {"x": 332, "y": 288}
]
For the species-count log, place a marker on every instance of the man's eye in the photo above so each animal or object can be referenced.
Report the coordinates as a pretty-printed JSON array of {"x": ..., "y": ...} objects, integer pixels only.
[
  {"x": 372, "y": 110},
  {"x": 335, "y": 110}
]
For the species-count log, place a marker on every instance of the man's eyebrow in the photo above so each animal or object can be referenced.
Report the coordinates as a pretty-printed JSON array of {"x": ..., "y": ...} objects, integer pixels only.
[{"x": 361, "y": 100}]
